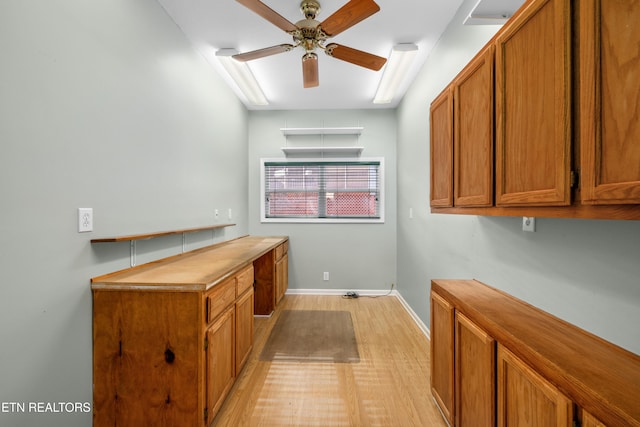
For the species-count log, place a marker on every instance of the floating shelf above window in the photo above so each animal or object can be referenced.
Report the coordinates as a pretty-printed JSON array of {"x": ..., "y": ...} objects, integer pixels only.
[
  {"x": 351, "y": 151},
  {"x": 355, "y": 130}
]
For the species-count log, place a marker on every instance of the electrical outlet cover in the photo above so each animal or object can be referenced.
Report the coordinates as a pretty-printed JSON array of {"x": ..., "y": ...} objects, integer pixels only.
[
  {"x": 528, "y": 224},
  {"x": 85, "y": 220}
]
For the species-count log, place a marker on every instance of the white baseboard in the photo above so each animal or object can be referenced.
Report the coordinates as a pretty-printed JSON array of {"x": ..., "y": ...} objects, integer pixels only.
[
  {"x": 366, "y": 292},
  {"x": 415, "y": 317},
  {"x": 363, "y": 292}
]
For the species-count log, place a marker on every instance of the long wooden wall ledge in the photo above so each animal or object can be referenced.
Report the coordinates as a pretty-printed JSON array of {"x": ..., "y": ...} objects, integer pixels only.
[
  {"x": 146, "y": 236},
  {"x": 598, "y": 376}
]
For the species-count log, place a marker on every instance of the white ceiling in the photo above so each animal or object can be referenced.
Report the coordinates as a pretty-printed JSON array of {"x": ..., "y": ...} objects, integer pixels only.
[
  {"x": 489, "y": 12},
  {"x": 215, "y": 24}
]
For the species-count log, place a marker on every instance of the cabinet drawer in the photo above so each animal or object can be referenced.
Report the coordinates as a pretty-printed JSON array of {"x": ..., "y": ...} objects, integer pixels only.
[
  {"x": 281, "y": 250},
  {"x": 220, "y": 297},
  {"x": 244, "y": 280}
]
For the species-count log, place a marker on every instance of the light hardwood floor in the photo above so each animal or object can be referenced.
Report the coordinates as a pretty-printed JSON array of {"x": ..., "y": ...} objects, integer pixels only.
[{"x": 388, "y": 387}]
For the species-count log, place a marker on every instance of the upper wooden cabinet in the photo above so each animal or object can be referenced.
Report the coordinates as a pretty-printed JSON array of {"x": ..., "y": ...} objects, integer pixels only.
[
  {"x": 533, "y": 138},
  {"x": 441, "y": 118},
  {"x": 462, "y": 137},
  {"x": 609, "y": 119},
  {"x": 473, "y": 132},
  {"x": 564, "y": 137}
]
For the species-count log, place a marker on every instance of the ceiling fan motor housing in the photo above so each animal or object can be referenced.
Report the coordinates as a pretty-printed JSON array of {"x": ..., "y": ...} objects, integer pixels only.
[
  {"x": 307, "y": 34},
  {"x": 310, "y": 8}
]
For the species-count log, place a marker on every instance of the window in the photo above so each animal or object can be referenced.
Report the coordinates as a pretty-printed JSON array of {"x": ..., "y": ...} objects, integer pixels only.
[{"x": 322, "y": 191}]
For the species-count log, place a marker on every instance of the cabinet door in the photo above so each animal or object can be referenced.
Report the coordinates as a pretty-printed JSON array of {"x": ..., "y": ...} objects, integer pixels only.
[
  {"x": 589, "y": 420},
  {"x": 441, "y": 128},
  {"x": 610, "y": 101},
  {"x": 244, "y": 329},
  {"x": 221, "y": 368},
  {"x": 525, "y": 399},
  {"x": 442, "y": 354},
  {"x": 474, "y": 374},
  {"x": 473, "y": 132},
  {"x": 146, "y": 356},
  {"x": 282, "y": 276},
  {"x": 533, "y": 120}
]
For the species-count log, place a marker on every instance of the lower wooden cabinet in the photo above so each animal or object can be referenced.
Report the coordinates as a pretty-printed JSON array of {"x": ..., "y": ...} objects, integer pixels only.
[
  {"x": 244, "y": 329},
  {"x": 526, "y": 399},
  {"x": 462, "y": 367},
  {"x": 148, "y": 358},
  {"x": 442, "y": 318},
  {"x": 221, "y": 359},
  {"x": 496, "y": 360},
  {"x": 272, "y": 277},
  {"x": 169, "y": 358},
  {"x": 589, "y": 420},
  {"x": 171, "y": 336},
  {"x": 282, "y": 276},
  {"x": 475, "y": 385}
]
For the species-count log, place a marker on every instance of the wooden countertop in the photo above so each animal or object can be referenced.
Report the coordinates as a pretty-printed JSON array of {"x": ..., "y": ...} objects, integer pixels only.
[
  {"x": 599, "y": 376},
  {"x": 196, "y": 270}
]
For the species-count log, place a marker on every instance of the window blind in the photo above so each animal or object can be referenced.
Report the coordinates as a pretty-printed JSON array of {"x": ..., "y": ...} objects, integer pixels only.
[{"x": 322, "y": 189}]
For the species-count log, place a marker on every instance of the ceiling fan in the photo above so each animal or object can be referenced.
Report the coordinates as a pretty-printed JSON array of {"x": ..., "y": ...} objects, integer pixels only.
[{"x": 311, "y": 34}]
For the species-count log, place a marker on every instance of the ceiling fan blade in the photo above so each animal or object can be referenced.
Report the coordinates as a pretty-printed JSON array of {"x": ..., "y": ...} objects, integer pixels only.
[
  {"x": 261, "y": 53},
  {"x": 269, "y": 14},
  {"x": 355, "y": 56},
  {"x": 310, "y": 70},
  {"x": 348, "y": 15}
]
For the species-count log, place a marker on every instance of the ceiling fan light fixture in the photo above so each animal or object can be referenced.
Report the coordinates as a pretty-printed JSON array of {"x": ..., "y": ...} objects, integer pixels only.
[
  {"x": 242, "y": 76},
  {"x": 398, "y": 66},
  {"x": 310, "y": 70}
]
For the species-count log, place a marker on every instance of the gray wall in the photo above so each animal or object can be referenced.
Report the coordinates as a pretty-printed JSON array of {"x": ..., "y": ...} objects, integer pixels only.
[
  {"x": 584, "y": 271},
  {"x": 103, "y": 104},
  {"x": 357, "y": 256}
]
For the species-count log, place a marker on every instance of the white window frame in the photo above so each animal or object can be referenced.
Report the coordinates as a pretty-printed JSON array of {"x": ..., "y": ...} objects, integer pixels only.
[{"x": 381, "y": 198}]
